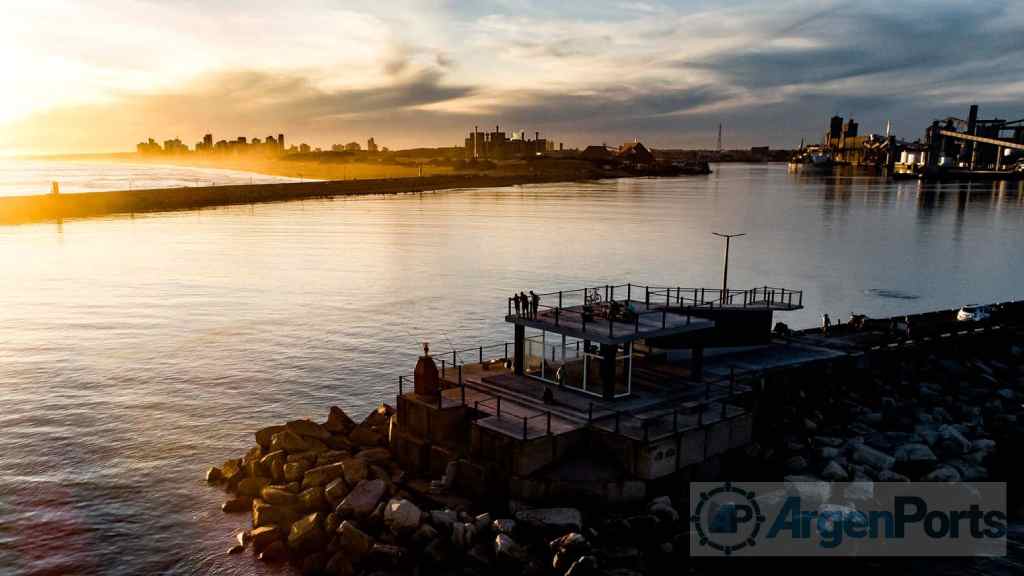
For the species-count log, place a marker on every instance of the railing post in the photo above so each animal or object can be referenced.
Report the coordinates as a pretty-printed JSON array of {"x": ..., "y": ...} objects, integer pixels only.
[
  {"x": 557, "y": 313},
  {"x": 506, "y": 350},
  {"x": 462, "y": 385},
  {"x": 668, "y": 297},
  {"x": 442, "y": 368},
  {"x": 678, "y": 301},
  {"x": 629, "y": 292},
  {"x": 701, "y": 295},
  {"x": 647, "y": 296},
  {"x": 401, "y": 385},
  {"x": 664, "y": 316},
  {"x": 454, "y": 359},
  {"x": 499, "y": 407},
  {"x": 694, "y": 296},
  {"x": 481, "y": 354},
  {"x": 559, "y": 298}
]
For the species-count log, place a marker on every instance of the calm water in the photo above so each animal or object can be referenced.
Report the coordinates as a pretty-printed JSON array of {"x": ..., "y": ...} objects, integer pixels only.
[
  {"x": 24, "y": 177},
  {"x": 135, "y": 352}
]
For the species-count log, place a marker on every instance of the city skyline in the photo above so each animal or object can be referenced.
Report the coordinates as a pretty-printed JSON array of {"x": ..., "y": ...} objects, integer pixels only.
[{"x": 422, "y": 74}]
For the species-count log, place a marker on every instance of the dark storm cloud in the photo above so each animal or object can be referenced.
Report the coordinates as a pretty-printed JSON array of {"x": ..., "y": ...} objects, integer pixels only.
[{"x": 851, "y": 43}]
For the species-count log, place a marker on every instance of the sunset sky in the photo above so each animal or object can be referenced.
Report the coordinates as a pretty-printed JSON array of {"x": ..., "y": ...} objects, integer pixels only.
[{"x": 102, "y": 75}]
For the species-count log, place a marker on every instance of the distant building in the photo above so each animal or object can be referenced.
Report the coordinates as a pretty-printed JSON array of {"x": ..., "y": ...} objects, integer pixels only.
[
  {"x": 596, "y": 153},
  {"x": 371, "y": 146},
  {"x": 498, "y": 145},
  {"x": 636, "y": 154}
]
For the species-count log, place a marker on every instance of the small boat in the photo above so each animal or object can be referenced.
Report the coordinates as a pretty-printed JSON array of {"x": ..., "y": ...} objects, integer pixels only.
[{"x": 811, "y": 160}]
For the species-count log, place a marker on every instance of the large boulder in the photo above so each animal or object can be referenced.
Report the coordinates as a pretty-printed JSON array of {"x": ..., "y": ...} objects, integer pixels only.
[
  {"x": 374, "y": 455},
  {"x": 505, "y": 548},
  {"x": 312, "y": 499},
  {"x": 463, "y": 535},
  {"x": 214, "y": 475},
  {"x": 274, "y": 553},
  {"x": 943, "y": 474},
  {"x": 309, "y": 429},
  {"x": 265, "y": 436},
  {"x": 835, "y": 472},
  {"x": 662, "y": 508},
  {"x": 335, "y": 491},
  {"x": 293, "y": 471},
  {"x": 362, "y": 500},
  {"x": 321, "y": 475},
  {"x": 915, "y": 453},
  {"x": 338, "y": 422},
  {"x": 952, "y": 442},
  {"x": 355, "y": 543},
  {"x": 264, "y": 514},
  {"x": 355, "y": 470},
  {"x": 567, "y": 549},
  {"x": 288, "y": 441},
  {"x": 278, "y": 495},
  {"x": 262, "y": 536},
  {"x": 402, "y": 517},
  {"x": 554, "y": 519},
  {"x": 443, "y": 519},
  {"x": 252, "y": 486},
  {"x": 864, "y": 454},
  {"x": 307, "y": 533},
  {"x": 366, "y": 436},
  {"x": 339, "y": 565}
]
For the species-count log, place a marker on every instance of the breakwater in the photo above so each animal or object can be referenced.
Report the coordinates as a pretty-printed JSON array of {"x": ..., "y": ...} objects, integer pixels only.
[
  {"x": 43, "y": 208},
  {"x": 339, "y": 497}
]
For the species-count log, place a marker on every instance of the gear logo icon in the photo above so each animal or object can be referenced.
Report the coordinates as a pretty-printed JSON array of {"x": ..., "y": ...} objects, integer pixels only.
[{"x": 727, "y": 519}]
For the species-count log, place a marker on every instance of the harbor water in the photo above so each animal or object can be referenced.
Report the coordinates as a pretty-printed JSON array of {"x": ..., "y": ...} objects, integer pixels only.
[{"x": 137, "y": 351}]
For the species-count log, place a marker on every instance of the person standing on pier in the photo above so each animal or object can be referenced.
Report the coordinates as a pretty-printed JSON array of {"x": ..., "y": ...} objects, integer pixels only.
[
  {"x": 525, "y": 303},
  {"x": 534, "y": 304},
  {"x": 515, "y": 297},
  {"x": 826, "y": 323}
]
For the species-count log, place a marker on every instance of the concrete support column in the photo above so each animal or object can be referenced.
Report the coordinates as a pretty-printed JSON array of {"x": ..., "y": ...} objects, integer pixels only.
[
  {"x": 697, "y": 363},
  {"x": 608, "y": 353},
  {"x": 519, "y": 353}
]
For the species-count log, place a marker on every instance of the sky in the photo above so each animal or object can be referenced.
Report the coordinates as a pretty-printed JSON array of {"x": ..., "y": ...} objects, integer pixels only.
[{"x": 102, "y": 75}]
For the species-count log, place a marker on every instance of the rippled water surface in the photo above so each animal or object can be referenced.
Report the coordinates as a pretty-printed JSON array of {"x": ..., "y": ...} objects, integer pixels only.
[
  {"x": 28, "y": 177},
  {"x": 135, "y": 352}
]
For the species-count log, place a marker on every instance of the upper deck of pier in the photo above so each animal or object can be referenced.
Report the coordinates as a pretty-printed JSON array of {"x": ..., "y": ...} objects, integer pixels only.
[{"x": 618, "y": 314}]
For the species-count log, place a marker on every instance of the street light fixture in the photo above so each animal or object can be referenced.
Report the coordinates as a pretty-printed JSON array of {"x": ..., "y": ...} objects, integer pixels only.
[{"x": 725, "y": 273}]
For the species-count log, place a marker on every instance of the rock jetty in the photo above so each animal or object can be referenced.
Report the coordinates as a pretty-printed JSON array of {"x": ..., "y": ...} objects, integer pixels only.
[{"x": 329, "y": 499}]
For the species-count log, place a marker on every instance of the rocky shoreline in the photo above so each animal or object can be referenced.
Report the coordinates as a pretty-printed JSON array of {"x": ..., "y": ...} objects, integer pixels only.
[{"x": 330, "y": 499}]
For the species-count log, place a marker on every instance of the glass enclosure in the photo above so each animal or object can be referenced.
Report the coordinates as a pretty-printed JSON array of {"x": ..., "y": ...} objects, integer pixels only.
[{"x": 567, "y": 361}]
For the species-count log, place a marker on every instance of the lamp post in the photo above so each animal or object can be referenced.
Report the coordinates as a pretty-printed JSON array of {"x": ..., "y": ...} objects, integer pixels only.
[{"x": 725, "y": 272}]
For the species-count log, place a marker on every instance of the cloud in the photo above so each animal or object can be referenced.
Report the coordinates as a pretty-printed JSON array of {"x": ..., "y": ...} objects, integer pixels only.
[{"x": 599, "y": 70}]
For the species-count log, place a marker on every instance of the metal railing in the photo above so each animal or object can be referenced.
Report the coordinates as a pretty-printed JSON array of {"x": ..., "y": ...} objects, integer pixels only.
[{"x": 599, "y": 306}]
